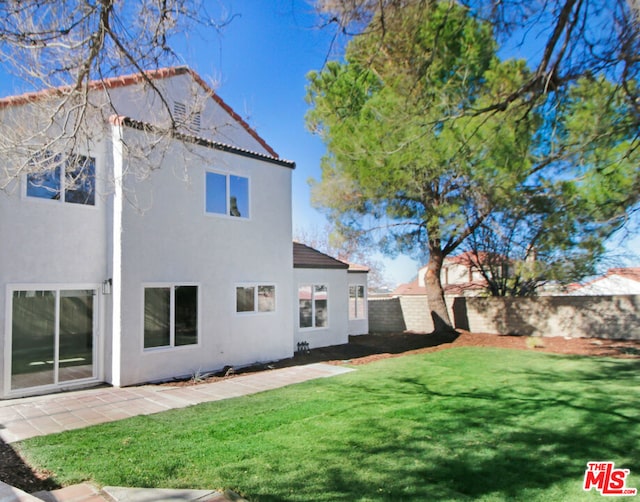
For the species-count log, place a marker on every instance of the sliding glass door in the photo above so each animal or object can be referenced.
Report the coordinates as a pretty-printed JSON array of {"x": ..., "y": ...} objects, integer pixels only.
[{"x": 52, "y": 337}]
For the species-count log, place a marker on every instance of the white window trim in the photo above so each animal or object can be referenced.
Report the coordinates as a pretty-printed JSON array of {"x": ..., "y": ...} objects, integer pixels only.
[
  {"x": 226, "y": 215},
  {"x": 359, "y": 317},
  {"x": 97, "y": 338},
  {"x": 255, "y": 285},
  {"x": 172, "y": 327},
  {"x": 313, "y": 306}
]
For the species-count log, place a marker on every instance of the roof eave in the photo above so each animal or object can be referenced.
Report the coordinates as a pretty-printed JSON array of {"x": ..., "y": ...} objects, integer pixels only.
[{"x": 143, "y": 126}]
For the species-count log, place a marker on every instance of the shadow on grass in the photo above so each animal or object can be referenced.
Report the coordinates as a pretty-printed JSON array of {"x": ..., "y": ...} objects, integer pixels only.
[
  {"x": 527, "y": 437},
  {"x": 14, "y": 472},
  {"x": 370, "y": 345}
]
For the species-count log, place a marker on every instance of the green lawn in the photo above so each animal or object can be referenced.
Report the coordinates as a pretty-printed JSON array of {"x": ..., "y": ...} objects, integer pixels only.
[{"x": 458, "y": 424}]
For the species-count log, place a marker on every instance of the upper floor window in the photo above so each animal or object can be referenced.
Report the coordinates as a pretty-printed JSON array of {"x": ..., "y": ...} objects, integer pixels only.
[
  {"x": 356, "y": 302},
  {"x": 227, "y": 194},
  {"x": 72, "y": 180}
]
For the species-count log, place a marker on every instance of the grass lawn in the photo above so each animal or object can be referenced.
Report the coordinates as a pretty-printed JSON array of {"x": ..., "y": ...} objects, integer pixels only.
[{"x": 459, "y": 424}]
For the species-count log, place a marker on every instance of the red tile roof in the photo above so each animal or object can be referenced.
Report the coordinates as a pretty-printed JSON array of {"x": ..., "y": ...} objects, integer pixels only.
[
  {"x": 414, "y": 289},
  {"x": 355, "y": 268},
  {"x": 632, "y": 273},
  {"x": 138, "y": 78}
]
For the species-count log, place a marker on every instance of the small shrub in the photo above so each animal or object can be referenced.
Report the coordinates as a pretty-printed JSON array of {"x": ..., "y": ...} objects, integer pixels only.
[{"x": 534, "y": 342}]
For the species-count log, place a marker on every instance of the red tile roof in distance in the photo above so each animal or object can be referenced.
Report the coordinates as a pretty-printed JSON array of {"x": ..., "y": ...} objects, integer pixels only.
[
  {"x": 355, "y": 268},
  {"x": 138, "y": 78},
  {"x": 632, "y": 273},
  {"x": 307, "y": 257},
  {"x": 414, "y": 288}
]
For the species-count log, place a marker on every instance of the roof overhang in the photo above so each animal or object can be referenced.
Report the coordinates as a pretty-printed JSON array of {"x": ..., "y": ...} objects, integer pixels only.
[{"x": 195, "y": 140}]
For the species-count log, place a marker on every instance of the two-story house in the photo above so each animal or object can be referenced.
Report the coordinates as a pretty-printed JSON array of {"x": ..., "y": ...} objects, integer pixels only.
[{"x": 141, "y": 257}]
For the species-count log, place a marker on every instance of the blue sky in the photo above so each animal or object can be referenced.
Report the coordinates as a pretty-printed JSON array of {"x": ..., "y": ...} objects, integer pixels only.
[{"x": 258, "y": 64}]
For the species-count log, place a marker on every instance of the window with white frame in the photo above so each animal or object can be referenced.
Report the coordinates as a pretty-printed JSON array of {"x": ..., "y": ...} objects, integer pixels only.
[
  {"x": 256, "y": 298},
  {"x": 357, "y": 302},
  {"x": 170, "y": 316},
  {"x": 52, "y": 336},
  {"x": 227, "y": 194},
  {"x": 71, "y": 180},
  {"x": 313, "y": 306}
]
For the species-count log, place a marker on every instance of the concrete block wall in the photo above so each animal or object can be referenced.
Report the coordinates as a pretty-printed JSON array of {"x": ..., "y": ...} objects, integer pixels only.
[
  {"x": 385, "y": 315},
  {"x": 405, "y": 313},
  {"x": 615, "y": 317},
  {"x": 416, "y": 313}
]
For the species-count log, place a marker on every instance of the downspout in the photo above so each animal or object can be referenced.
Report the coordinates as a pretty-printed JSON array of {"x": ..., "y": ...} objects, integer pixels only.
[{"x": 116, "y": 291}]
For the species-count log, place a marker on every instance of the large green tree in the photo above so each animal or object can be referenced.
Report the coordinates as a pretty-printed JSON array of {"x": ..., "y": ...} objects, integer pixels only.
[
  {"x": 435, "y": 140},
  {"x": 402, "y": 154},
  {"x": 556, "y": 226}
]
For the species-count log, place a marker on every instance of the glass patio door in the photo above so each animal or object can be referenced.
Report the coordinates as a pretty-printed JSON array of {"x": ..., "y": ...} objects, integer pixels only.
[{"x": 52, "y": 337}]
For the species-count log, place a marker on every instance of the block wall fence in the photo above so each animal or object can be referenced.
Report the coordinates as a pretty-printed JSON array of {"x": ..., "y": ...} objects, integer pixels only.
[{"x": 616, "y": 317}]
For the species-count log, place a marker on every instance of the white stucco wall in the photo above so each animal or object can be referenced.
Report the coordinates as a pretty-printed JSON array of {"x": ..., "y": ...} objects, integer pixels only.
[
  {"x": 47, "y": 244},
  {"x": 165, "y": 238},
  {"x": 452, "y": 273},
  {"x": 337, "y": 331},
  {"x": 170, "y": 239},
  {"x": 216, "y": 122}
]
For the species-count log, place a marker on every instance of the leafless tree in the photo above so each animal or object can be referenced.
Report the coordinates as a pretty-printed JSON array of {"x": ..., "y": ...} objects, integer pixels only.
[{"x": 61, "y": 50}]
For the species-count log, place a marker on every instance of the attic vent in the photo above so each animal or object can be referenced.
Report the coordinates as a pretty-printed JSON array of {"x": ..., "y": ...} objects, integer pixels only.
[{"x": 189, "y": 120}]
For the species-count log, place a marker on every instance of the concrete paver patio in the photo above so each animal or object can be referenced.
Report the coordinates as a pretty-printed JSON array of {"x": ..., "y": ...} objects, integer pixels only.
[{"x": 36, "y": 416}]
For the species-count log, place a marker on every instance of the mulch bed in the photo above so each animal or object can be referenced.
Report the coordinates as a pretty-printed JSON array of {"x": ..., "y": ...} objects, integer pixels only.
[{"x": 360, "y": 350}]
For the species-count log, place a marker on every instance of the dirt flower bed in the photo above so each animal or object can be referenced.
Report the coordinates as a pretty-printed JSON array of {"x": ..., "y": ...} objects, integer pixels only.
[{"x": 368, "y": 348}]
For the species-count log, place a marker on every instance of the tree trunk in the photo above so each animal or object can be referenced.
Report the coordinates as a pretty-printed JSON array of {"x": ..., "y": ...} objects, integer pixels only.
[{"x": 435, "y": 293}]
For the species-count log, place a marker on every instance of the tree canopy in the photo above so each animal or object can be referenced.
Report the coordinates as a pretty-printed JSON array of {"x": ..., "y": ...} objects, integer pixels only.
[
  {"x": 401, "y": 148},
  {"x": 417, "y": 144}
]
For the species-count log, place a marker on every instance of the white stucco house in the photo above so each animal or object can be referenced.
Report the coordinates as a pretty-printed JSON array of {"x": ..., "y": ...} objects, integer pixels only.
[
  {"x": 460, "y": 276},
  {"x": 332, "y": 298},
  {"x": 126, "y": 278},
  {"x": 616, "y": 281}
]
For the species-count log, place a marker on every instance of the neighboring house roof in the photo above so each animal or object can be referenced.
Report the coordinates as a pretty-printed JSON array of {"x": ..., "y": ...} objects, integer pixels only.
[
  {"x": 632, "y": 273},
  {"x": 126, "y": 80},
  {"x": 616, "y": 281},
  {"x": 468, "y": 260},
  {"x": 471, "y": 258},
  {"x": 307, "y": 257},
  {"x": 413, "y": 288},
  {"x": 354, "y": 268}
]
